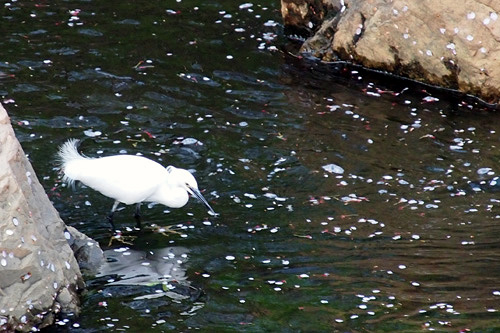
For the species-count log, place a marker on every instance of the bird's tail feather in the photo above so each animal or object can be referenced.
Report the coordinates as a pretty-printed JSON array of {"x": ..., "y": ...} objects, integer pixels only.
[{"x": 68, "y": 152}]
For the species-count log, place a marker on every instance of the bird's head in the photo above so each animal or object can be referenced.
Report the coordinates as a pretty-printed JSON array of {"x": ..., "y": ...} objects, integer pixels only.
[{"x": 185, "y": 180}]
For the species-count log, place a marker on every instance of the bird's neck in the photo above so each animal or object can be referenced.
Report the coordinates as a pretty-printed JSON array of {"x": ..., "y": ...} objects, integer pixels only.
[{"x": 174, "y": 197}]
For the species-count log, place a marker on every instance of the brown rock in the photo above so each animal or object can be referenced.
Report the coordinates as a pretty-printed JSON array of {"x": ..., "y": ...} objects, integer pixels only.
[
  {"x": 444, "y": 43},
  {"x": 305, "y": 16}
]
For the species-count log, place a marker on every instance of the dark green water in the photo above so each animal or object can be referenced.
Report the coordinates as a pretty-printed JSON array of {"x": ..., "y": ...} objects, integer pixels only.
[{"x": 347, "y": 202}]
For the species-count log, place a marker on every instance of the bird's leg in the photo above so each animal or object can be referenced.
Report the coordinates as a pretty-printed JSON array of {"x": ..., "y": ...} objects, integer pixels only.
[
  {"x": 110, "y": 215},
  {"x": 137, "y": 215}
]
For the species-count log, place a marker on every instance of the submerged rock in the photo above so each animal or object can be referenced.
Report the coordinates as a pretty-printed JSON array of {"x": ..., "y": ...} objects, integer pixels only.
[
  {"x": 39, "y": 275},
  {"x": 88, "y": 253},
  {"x": 444, "y": 43}
]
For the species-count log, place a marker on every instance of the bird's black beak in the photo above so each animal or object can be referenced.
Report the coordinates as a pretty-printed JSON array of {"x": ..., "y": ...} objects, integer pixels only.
[{"x": 197, "y": 194}]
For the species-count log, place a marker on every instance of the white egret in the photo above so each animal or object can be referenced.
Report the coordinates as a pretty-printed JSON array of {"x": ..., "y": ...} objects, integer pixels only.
[{"x": 129, "y": 179}]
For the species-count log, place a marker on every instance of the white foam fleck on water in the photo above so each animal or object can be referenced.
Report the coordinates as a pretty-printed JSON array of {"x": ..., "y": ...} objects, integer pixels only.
[
  {"x": 333, "y": 168},
  {"x": 245, "y": 5}
]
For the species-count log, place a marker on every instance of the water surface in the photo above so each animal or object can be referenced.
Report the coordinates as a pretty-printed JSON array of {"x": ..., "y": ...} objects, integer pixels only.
[{"x": 348, "y": 202}]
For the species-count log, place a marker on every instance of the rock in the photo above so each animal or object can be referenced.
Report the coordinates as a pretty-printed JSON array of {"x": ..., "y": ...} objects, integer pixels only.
[
  {"x": 88, "y": 253},
  {"x": 443, "y": 43},
  {"x": 39, "y": 275},
  {"x": 303, "y": 17}
]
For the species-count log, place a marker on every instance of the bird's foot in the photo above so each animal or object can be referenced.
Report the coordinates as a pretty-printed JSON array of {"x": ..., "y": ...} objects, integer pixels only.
[
  {"x": 166, "y": 230},
  {"x": 124, "y": 239}
]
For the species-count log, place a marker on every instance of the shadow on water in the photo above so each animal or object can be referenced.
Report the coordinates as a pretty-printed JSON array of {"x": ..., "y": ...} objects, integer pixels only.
[{"x": 348, "y": 202}]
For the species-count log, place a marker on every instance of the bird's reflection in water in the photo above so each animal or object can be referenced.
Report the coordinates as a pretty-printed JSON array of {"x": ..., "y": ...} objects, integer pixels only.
[{"x": 161, "y": 268}]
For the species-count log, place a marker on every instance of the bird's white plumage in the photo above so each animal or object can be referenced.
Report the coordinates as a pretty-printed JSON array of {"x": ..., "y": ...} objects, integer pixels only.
[
  {"x": 112, "y": 176},
  {"x": 128, "y": 178}
]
